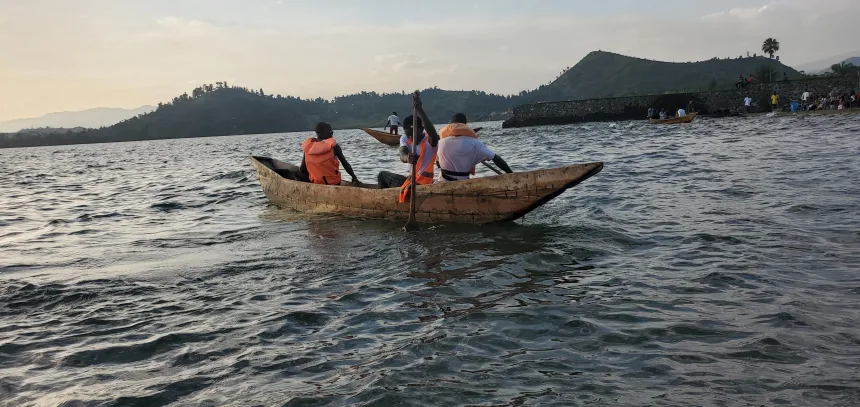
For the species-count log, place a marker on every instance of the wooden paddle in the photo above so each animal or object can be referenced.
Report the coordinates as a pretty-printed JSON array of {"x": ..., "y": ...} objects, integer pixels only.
[
  {"x": 496, "y": 170},
  {"x": 411, "y": 224}
]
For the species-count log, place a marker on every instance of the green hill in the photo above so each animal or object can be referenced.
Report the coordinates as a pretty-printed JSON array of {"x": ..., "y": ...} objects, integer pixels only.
[
  {"x": 222, "y": 110},
  {"x": 604, "y": 74}
]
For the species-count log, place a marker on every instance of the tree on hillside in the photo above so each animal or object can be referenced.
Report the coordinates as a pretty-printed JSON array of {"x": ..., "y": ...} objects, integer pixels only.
[
  {"x": 843, "y": 68},
  {"x": 765, "y": 73},
  {"x": 770, "y": 46}
]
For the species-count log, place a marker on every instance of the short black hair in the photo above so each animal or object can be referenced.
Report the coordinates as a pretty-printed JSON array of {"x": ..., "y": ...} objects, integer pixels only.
[
  {"x": 407, "y": 122},
  {"x": 459, "y": 118},
  {"x": 322, "y": 127},
  {"x": 394, "y": 113}
]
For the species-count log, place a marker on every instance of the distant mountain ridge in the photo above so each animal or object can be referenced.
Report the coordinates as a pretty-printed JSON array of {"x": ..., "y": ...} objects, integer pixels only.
[
  {"x": 823, "y": 65},
  {"x": 90, "y": 118},
  {"x": 220, "y": 110},
  {"x": 604, "y": 74}
]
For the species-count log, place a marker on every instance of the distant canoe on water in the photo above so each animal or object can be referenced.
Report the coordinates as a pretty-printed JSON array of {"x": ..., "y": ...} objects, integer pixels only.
[
  {"x": 391, "y": 139},
  {"x": 384, "y": 137},
  {"x": 496, "y": 198},
  {"x": 675, "y": 120}
]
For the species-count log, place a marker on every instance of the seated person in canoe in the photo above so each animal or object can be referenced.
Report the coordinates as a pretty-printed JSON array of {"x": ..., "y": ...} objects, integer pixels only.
[
  {"x": 424, "y": 157},
  {"x": 322, "y": 158},
  {"x": 460, "y": 151}
]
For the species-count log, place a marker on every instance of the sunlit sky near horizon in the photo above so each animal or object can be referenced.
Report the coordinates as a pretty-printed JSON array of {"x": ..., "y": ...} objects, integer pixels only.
[{"x": 59, "y": 55}]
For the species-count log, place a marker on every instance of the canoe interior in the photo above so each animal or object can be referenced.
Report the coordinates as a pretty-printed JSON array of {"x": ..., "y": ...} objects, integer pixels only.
[{"x": 286, "y": 171}]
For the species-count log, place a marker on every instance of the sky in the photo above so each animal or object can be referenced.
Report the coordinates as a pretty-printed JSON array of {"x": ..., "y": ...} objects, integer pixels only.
[{"x": 63, "y": 55}]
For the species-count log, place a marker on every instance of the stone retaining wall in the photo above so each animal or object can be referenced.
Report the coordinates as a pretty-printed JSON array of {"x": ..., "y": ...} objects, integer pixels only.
[{"x": 636, "y": 107}]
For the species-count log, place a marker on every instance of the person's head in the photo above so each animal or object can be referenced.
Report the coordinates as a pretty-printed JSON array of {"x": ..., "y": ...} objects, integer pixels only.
[
  {"x": 323, "y": 130},
  {"x": 459, "y": 118},
  {"x": 407, "y": 125},
  {"x": 394, "y": 113}
]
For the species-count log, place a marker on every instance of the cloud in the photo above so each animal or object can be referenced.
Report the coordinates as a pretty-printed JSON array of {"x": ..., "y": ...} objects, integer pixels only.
[
  {"x": 178, "y": 28},
  {"x": 122, "y": 56},
  {"x": 737, "y": 13}
]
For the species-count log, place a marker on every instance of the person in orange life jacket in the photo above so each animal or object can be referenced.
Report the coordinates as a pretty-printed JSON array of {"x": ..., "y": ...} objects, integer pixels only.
[
  {"x": 460, "y": 151},
  {"x": 322, "y": 158}
]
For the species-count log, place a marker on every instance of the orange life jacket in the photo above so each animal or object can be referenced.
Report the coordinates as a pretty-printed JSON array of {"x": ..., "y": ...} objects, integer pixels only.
[
  {"x": 458, "y": 130},
  {"x": 424, "y": 169},
  {"x": 323, "y": 167}
]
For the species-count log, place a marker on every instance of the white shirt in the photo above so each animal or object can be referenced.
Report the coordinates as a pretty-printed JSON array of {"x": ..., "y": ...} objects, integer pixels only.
[
  {"x": 748, "y": 101},
  {"x": 805, "y": 96},
  {"x": 662, "y": 115},
  {"x": 461, "y": 154},
  {"x": 393, "y": 120},
  {"x": 682, "y": 112}
]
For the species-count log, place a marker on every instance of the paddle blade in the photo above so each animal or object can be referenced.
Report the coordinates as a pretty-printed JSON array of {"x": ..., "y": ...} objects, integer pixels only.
[{"x": 411, "y": 226}]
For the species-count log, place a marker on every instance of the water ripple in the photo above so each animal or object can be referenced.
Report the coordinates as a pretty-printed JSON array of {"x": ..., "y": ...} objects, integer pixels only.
[{"x": 708, "y": 264}]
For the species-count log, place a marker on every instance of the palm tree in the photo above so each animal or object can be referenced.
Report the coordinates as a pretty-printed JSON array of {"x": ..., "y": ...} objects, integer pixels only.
[
  {"x": 842, "y": 68},
  {"x": 770, "y": 46}
]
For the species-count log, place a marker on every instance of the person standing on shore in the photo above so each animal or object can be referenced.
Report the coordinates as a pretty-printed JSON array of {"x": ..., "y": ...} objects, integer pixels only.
[
  {"x": 650, "y": 112},
  {"x": 805, "y": 99},
  {"x": 774, "y": 101},
  {"x": 747, "y": 103},
  {"x": 393, "y": 123}
]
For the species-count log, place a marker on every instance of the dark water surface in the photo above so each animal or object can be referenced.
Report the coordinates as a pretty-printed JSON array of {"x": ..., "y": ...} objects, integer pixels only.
[{"x": 710, "y": 264}]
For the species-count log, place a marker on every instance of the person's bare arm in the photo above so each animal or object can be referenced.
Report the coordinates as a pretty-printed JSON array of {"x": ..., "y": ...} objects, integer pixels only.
[
  {"x": 348, "y": 168},
  {"x": 428, "y": 126},
  {"x": 502, "y": 164}
]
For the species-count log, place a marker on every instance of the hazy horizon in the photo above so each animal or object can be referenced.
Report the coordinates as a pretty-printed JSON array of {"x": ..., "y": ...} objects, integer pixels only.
[{"x": 64, "y": 56}]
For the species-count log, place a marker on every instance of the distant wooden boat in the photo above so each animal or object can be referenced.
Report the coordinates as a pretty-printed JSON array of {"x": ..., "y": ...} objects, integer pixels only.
[
  {"x": 392, "y": 139},
  {"x": 481, "y": 200},
  {"x": 675, "y": 120},
  {"x": 384, "y": 137}
]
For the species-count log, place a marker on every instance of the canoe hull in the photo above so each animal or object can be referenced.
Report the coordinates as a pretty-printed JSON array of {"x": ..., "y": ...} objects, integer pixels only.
[
  {"x": 482, "y": 200},
  {"x": 383, "y": 137},
  {"x": 675, "y": 120}
]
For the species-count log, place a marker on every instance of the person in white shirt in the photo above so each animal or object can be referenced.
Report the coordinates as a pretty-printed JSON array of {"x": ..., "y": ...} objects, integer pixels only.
[
  {"x": 748, "y": 103},
  {"x": 393, "y": 122},
  {"x": 663, "y": 114},
  {"x": 460, "y": 151},
  {"x": 681, "y": 113},
  {"x": 805, "y": 99}
]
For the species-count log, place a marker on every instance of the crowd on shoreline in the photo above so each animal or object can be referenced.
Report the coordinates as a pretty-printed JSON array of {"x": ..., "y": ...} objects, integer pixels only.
[{"x": 809, "y": 101}]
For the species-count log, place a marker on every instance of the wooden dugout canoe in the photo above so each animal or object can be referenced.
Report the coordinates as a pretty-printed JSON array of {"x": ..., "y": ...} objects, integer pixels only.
[
  {"x": 383, "y": 137},
  {"x": 481, "y": 200},
  {"x": 392, "y": 139},
  {"x": 675, "y": 120}
]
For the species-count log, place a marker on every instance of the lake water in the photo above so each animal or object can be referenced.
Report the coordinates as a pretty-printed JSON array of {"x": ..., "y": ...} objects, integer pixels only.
[{"x": 710, "y": 264}]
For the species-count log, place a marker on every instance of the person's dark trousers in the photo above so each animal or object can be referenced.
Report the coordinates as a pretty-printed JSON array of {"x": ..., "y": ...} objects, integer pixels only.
[{"x": 387, "y": 179}]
